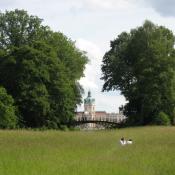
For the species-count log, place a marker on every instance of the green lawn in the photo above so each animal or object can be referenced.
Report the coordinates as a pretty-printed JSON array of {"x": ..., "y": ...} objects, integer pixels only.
[{"x": 88, "y": 152}]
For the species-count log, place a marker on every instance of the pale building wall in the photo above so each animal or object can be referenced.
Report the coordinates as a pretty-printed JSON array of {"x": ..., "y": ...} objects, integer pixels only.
[{"x": 90, "y": 110}]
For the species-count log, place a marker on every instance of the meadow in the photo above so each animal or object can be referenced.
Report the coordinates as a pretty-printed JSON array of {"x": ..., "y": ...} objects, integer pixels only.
[{"x": 25, "y": 152}]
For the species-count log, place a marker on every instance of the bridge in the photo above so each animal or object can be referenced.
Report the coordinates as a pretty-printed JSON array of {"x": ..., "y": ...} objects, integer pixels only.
[{"x": 107, "y": 122}]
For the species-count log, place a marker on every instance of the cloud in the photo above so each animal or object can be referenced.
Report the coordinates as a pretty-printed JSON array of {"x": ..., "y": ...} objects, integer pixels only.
[
  {"x": 163, "y": 7},
  {"x": 109, "y": 103},
  {"x": 105, "y": 4},
  {"x": 76, "y": 6},
  {"x": 93, "y": 69},
  {"x": 100, "y": 5},
  {"x": 7, "y": 3},
  {"x": 91, "y": 48}
]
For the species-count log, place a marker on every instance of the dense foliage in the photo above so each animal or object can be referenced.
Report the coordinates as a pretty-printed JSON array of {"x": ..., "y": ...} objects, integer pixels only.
[
  {"x": 40, "y": 69},
  {"x": 141, "y": 64},
  {"x": 8, "y": 118}
]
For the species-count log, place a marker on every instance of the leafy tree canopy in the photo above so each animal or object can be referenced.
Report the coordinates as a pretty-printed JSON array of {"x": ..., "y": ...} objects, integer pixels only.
[
  {"x": 141, "y": 64},
  {"x": 40, "y": 69}
]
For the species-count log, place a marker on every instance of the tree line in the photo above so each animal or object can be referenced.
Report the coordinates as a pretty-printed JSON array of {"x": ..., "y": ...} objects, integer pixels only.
[
  {"x": 39, "y": 73},
  {"x": 40, "y": 69}
]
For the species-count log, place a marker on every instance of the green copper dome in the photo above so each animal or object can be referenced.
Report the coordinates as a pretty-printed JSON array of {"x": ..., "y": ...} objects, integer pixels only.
[{"x": 88, "y": 100}]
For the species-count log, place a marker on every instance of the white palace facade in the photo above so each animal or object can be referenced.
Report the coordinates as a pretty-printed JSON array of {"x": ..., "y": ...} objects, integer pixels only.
[{"x": 91, "y": 114}]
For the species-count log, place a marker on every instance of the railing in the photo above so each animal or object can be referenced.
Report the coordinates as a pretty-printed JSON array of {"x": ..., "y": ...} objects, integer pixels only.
[{"x": 89, "y": 119}]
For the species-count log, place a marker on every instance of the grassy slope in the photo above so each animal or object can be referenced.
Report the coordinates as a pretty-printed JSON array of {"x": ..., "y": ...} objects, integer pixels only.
[{"x": 88, "y": 153}]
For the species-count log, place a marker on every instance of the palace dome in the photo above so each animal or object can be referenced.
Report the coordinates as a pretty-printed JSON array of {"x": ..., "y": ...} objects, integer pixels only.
[{"x": 88, "y": 100}]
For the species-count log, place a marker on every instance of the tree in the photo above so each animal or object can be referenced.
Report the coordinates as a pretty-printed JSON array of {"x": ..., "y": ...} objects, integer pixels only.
[
  {"x": 8, "y": 118},
  {"x": 17, "y": 28},
  {"x": 141, "y": 64},
  {"x": 40, "y": 69},
  {"x": 73, "y": 59}
]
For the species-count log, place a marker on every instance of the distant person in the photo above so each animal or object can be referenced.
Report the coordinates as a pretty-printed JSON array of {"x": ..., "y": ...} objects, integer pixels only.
[
  {"x": 129, "y": 141},
  {"x": 122, "y": 141}
]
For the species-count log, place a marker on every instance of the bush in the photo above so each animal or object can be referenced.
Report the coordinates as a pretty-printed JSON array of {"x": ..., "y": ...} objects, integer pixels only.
[
  {"x": 8, "y": 118},
  {"x": 173, "y": 117},
  {"x": 162, "y": 119}
]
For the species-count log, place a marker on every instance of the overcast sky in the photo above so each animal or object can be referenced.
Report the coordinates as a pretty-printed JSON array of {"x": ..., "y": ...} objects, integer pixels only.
[{"x": 93, "y": 24}]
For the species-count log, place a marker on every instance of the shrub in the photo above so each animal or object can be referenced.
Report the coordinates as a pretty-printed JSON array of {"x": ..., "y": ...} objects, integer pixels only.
[
  {"x": 162, "y": 119},
  {"x": 8, "y": 118}
]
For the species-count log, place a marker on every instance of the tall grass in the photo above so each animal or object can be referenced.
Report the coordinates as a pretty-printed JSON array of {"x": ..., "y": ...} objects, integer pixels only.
[{"x": 88, "y": 152}]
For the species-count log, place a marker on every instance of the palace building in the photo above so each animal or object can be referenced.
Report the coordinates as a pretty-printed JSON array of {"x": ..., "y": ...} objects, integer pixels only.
[{"x": 91, "y": 114}]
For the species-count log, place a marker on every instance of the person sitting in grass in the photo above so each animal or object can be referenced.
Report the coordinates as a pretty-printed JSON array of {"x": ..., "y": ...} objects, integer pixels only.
[
  {"x": 129, "y": 141},
  {"x": 122, "y": 141}
]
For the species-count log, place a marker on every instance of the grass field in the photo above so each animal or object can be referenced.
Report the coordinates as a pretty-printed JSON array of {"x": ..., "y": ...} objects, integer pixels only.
[{"x": 88, "y": 152}]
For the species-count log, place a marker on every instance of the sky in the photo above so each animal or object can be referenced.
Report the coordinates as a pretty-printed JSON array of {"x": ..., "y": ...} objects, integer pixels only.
[{"x": 92, "y": 24}]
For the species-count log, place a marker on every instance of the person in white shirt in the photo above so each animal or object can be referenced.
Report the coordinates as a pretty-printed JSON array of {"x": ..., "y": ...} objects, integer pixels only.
[{"x": 122, "y": 141}]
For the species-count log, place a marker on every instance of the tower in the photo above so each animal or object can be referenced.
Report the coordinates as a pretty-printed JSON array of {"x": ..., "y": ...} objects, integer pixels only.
[{"x": 89, "y": 106}]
